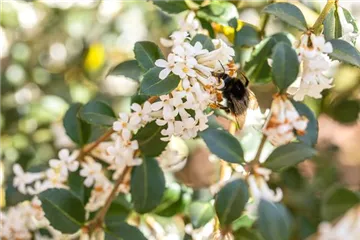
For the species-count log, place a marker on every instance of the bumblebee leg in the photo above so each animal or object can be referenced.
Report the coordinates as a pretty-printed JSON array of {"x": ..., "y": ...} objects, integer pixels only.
[{"x": 246, "y": 82}]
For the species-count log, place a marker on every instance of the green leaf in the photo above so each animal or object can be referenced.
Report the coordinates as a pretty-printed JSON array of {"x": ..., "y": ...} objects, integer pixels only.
[
  {"x": 171, "y": 195},
  {"x": 154, "y": 86},
  {"x": 257, "y": 68},
  {"x": 77, "y": 187},
  {"x": 247, "y": 234},
  {"x": 78, "y": 130},
  {"x": 147, "y": 185},
  {"x": 63, "y": 209},
  {"x": 345, "y": 111},
  {"x": 207, "y": 25},
  {"x": 177, "y": 207},
  {"x": 247, "y": 36},
  {"x": 171, "y": 6},
  {"x": 129, "y": 69},
  {"x": 200, "y": 213},
  {"x": 118, "y": 211},
  {"x": 288, "y": 155},
  {"x": 242, "y": 222},
  {"x": 230, "y": 201},
  {"x": 274, "y": 222},
  {"x": 204, "y": 40},
  {"x": 146, "y": 53},
  {"x": 285, "y": 66},
  {"x": 123, "y": 231},
  {"x": 149, "y": 141},
  {"x": 336, "y": 201},
  {"x": 220, "y": 12},
  {"x": 332, "y": 25},
  {"x": 223, "y": 144},
  {"x": 312, "y": 128},
  {"x": 289, "y": 13},
  {"x": 97, "y": 113},
  {"x": 350, "y": 19},
  {"x": 345, "y": 52}
]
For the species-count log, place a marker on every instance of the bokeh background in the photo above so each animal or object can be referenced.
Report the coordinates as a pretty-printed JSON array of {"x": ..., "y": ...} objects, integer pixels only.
[{"x": 54, "y": 53}]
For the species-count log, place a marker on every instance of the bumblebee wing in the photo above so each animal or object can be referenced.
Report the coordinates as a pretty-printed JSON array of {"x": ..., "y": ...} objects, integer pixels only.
[
  {"x": 240, "y": 107},
  {"x": 253, "y": 103}
]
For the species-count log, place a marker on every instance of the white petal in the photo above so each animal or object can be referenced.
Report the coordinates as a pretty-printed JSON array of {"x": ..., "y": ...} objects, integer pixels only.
[
  {"x": 161, "y": 63},
  {"x": 156, "y": 106},
  {"x": 164, "y": 73},
  {"x": 64, "y": 154}
]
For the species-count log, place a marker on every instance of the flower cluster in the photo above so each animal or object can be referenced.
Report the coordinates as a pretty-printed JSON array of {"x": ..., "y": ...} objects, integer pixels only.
[
  {"x": 313, "y": 54},
  {"x": 284, "y": 122},
  {"x": 182, "y": 111},
  {"x": 20, "y": 221}
]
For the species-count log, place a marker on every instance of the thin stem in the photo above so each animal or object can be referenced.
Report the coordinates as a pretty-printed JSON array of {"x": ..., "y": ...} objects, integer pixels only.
[
  {"x": 93, "y": 145},
  {"x": 264, "y": 22},
  {"x": 323, "y": 14},
  {"x": 259, "y": 151}
]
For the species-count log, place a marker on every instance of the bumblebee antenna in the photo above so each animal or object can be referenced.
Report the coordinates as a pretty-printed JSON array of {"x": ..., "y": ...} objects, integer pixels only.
[{"x": 222, "y": 66}]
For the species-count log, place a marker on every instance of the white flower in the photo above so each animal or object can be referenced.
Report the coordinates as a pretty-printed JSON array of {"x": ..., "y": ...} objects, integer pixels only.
[
  {"x": 22, "y": 178},
  {"x": 126, "y": 124},
  {"x": 142, "y": 113},
  {"x": 54, "y": 179},
  {"x": 283, "y": 122},
  {"x": 91, "y": 170},
  {"x": 167, "y": 65},
  {"x": 348, "y": 31},
  {"x": 177, "y": 38},
  {"x": 165, "y": 103},
  {"x": 65, "y": 163},
  {"x": 174, "y": 157},
  {"x": 99, "y": 194}
]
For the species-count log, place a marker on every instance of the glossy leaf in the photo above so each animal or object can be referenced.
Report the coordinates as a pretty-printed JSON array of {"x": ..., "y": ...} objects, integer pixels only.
[
  {"x": 77, "y": 187},
  {"x": 289, "y": 13},
  {"x": 257, "y": 68},
  {"x": 97, "y": 113},
  {"x": 223, "y": 144},
  {"x": 230, "y": 201},
  {"x": 78, "y": 130},
  {"x": 345, "y": 111},
  {"x": 345, "y": 52},
  {"x": 285, "y": 65},
  {"x": 247, "y": 234},
  {"x": 200, "y": 213},
  {"x": 149, "y": 141},
  {"x": 312, "y": 129},
  {"x": 146, "y": 53},
  {"x": 129, "y": 69},
  {"x": 274, "y": 222},
  {"x": 63, "y": 209},
  {"x": 332, "y": 25},
  {"x": 336, "y": 201},
  {"x": 247, "y": 36},
  {"x": 119, "y": 209},
  {"x": 154, "y": 86},
  {"x": 171, "y": 6},
  {"x": 219, "y": 12},
  {"x": 123, "y": 231},
  {"x": 147, "y": 185},
  {"x": 289, "y": 155},
  {"x": 204, "y": 40}
]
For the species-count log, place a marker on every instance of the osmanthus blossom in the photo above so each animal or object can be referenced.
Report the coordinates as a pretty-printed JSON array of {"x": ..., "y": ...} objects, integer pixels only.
[
  {"x": 347, "y": 227},
  {"x": 314, "y": 77},
  {"x": 284, "y": 122},
  {"x": 348, "y": 31},
  {"x": 174, "y": 157},
  {"x": 91, "y": 170},
  {"x": 22, "y": 178}
]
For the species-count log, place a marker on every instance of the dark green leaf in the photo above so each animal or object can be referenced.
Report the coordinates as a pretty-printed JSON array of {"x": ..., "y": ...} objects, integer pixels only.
[
  {"x": 200, "y": 213},
  {"x": 332, "y": 25},
  {"x": 63, "y": 209},
  {"x": 129, "y": 69},
  {"x": 97, "y": 113},
  {"x": 139, "y": 99},
  {"x": 274, "y": 222},
  {"x": 220, "y": 12},
  {"x": 77, "y": 187},
  {"x": 246, "y": 37},
  {"x": 171, "y": 6},
  {"x": 204, "y": 40},
  {"x": 345, "y": 111},
  {"x": 146, "y": 53},
  {"x": 154, "y": 86},
  {"x": 243, "y": 222},
  {"x": 257, "y": 68},
  {"x": 285, "y": 65},
  {"x": 177, "y": 207},
  {"x": 230, "y": 201},
  {"x": 207, "y": 25},
  {"x": 336, "y": 201},
  {"x": 247, "y": 234},
  {"x": 312, "y": 128},
  {"x": 171, "y": 195},
  {"x": 223, "y": 144},
  {"x": 149, "y": 141},
  {"x": 78, "y": 130},
  {"x": 147, "y": 185},
  {"x": 118, "y": 211},
  {"x": 345, "y": 52},
  {"x": 289, "y": 155},
  {"x": 289, "y": 13},
  {"x": 123, "y": 231}
]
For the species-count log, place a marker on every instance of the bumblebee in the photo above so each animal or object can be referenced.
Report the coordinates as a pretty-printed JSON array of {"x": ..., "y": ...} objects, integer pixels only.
[{"x": 237, "y": 95}]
